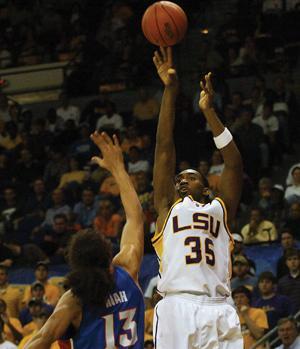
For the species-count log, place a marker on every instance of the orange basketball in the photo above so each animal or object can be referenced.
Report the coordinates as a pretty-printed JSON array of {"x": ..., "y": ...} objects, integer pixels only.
[{"x": 164, "y": 23}]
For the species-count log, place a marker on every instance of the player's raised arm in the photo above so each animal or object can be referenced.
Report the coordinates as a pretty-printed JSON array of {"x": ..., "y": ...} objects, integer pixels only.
[
  {"x": 132, "y": 240},
  {"x": 165, "y": 157},
  {"x": 232, "y": 175}
]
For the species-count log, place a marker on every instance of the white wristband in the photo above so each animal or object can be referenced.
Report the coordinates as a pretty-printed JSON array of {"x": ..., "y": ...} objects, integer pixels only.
[{"x": 223, "y": 139}]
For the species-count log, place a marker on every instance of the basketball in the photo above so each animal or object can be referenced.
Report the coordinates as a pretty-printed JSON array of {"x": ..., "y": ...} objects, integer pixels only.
[{"x": 164, "y": 23}]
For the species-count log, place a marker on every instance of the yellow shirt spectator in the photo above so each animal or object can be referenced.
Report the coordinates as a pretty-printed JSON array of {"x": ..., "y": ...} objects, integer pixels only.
[
  {"x": 17, "y": 325},
  {"x": 74, "y": 176},
  {"x": 12, "y": 298},
  {"x": 265, "y": 232},
  {"x": 260, "y": 318},
  {"x": 52, "y": 294}
]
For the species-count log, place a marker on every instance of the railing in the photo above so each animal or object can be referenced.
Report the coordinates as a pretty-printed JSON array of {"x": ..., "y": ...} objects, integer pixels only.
[{"x": 267, "y": 336}]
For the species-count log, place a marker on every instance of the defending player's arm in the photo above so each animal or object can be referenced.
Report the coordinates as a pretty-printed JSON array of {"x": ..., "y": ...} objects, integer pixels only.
[
  {"x": 165, "y": 157},
  {"x": 67, "y": 311},
  {"x": 132, "y": 240},
  {"x": 232, "y": 175}
]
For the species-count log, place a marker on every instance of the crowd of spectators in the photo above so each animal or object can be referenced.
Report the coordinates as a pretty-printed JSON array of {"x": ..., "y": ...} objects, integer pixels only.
[{"x": 50, "y": 189}]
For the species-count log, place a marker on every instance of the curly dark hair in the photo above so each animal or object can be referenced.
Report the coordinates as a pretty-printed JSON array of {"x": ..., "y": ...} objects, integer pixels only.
[{"x": 89, "y": 256}]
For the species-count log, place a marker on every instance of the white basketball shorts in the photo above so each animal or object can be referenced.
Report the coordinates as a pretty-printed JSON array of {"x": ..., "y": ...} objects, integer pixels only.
[{"x": 184, "y": 321}]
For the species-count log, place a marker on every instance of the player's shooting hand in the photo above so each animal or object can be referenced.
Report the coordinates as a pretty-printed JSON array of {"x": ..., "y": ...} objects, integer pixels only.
[
  {"x": 206, "y": 94},
  {"x": 112, "y": 157},
  {"x": 163, "y": 61}
]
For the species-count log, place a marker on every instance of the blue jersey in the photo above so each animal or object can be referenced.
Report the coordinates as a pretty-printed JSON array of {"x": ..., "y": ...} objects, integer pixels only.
[{"x": 120, "y": 324}]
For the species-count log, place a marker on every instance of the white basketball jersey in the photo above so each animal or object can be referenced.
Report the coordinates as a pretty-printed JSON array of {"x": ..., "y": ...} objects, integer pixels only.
[{"x": 194, "y": 249}]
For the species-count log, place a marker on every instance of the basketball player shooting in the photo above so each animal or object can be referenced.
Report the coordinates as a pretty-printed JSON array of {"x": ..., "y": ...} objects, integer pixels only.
[
  {"x": 104, "y": 307},
  {"x": 192, "y": 240}
]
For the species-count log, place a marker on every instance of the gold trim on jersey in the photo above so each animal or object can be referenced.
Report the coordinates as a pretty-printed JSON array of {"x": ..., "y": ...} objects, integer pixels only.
[
  {"x": 225, "y": 218},
  {"x": 158, "y": 235}
]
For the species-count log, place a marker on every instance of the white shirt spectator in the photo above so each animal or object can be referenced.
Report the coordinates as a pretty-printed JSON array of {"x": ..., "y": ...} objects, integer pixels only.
[
  {"x": 216, "y": 169},
  {"x": 268, "y": 125},
  {"x": 289, "y": 178},
  {"x": 295, "y": 345},
  {"x": 115, "y": 122},
  {"x": 70, "y": 112},
  {"x": 8, "y": 345},
  {"x": 141, "y": 165},
  {"x": 293, "y": 190}
]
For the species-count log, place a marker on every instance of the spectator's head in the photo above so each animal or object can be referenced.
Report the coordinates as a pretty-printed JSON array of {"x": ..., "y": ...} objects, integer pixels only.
[
  {"x": 40, "y": 319},
  {"x": 287, "y": 239},
  {"x": 3, "y": 275},
  {"x": 256, "y": 215},
  {"x": 39, "y": 186},
  {"x": 51, "y": 116},
  {"x": 110, "y": 108},
  {"x": 91, "y": 277},
  {"x": 294, "y": 211},
  {"x": 191, "y": 182},
  {"x": 240, "y": 266},
  {"x": 203, "y": 167},
  {"x": 37, "y": 291},
  {"x": 41, "y": 272},
  {"x": 184, "y": 165},
  {"x": 277, "y": 194},
  {"x": 142, "y": 182},
  {"x": 105, "y": 208},
  {"x": 35, "y": 307},
  {"x": 238, "y": 243},
  {"x": 134, "y": 154},
  {"x": 265, "y": 187},
  {"x": 9, "y": 194},
  {"x": 131, "y": 132},
  {"x": 296, "y": 176},
  {"x": 11, "y": 129},
  {"x": 292, "y": 258},
  {"x": 242, "y": 296},
  {"x": 267, "y": 110},
  {"x": 58, "y": 197},
  {"x": 88, "y": 196},
  {"x": 3, "y": 306},
  {"x": 74, "y": 164},
  {"x": 25, "y": 155},
  {"x": 266, "y": 282},
  {"x": 60, "y": 223},
  {"x": 246, "y": 116},
  {"x": 287, "y": 331},
  {"x": 217, "y": 158}
]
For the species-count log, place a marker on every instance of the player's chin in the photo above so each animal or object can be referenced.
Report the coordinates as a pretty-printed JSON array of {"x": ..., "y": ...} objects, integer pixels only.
[{"x": 184, "y": 192}]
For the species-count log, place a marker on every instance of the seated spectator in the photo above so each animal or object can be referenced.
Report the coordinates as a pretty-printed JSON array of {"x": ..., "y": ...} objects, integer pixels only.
[
  {"x": 275, "y": 305},
  {"x": 38, "y": 322},
  {"x": 258, "y": 230},
  {"x": 238, "y": 250},
  {"x": 12, "y": 326},
  {"x": 13, "y": 138},
  {"x": 5, "y": 344},
  {"x": 292, "y": 192},
  {"x": 131, "y": 139},
  {"x": 83, "y": 147},
  {"x": 111, "y": 119},
  {"x": 135, "y": 161},
  {"x": 288, "y": 333},
  {"x": 293, "y": 220},
  {"x": 289, "y": 178},
  {"x": 54, "y": 123},
  {"x": 107, "y": 222},
  {"x": 37, "y": 295},
  {"x": 54, "y": 240},
  {"x": 52, "y": 292},
  {"x": 6, "y": 255},
  {"x": 253, "y": 321},
  {"x": 143, "y": 187},
  {"x": 67, "y": 111},
  {"x": 287, "y": 241},
  {"x": 58, "y": 207},
  {"x": 289, "y": 285},
  {"x": 75, "y": 174},
  {"x": 55, "y": 168},
  {"x": 262, "y": 200},
  {"x": 85, "y": 211},
  {"x": 9, "y": 294},
  {"x": 109, "y": 186},
  {"x": 145, "y": 112},
  {"x": 241, "y": 275},
  {"x": 217, "y": 164},
  {"x": 38, "y": 200}
]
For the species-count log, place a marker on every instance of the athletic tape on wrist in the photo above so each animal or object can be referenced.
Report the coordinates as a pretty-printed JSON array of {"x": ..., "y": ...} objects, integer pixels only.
[{"x": 223, "y": 139}]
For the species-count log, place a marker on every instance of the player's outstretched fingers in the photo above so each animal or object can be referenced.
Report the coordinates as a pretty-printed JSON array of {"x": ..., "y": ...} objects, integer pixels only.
[
  {"x": 170, "y": 55},
  {"x": 116, "y": 140},
  {"x": 106, "y": 138},
  {"x": 163, "y": 53},
  {"x": 158, "y": 57},
  {"x": 208, "y": 82}
]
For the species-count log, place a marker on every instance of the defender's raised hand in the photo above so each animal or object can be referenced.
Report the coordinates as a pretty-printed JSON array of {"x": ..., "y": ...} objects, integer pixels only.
[
  {"x": 112, "y": 157},
  {"x": 206, "y": 94},
  {"x": 163, "y": 61}
]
